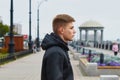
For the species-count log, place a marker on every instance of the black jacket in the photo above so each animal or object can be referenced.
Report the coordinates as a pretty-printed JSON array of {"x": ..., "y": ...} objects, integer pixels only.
[{"x": 56, "y": 63}]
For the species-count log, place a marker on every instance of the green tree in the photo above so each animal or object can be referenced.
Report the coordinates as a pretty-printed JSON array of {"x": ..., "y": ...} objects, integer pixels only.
[{"x": 3, "y": 29}]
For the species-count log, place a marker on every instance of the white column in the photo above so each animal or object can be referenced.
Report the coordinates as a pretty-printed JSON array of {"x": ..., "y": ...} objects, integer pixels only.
[
  {"x": 101, "y": 38},
  {"x": 95, "y": 37},
  {"x": 86, "y": 35},
  {"x": 80, "y": 35}
]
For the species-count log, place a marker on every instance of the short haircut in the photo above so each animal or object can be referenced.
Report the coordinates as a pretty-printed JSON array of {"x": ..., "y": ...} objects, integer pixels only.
[{"x": 61, "y": 20}]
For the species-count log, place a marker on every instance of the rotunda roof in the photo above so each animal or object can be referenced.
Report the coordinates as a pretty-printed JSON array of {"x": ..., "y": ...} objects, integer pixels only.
[{"x": 91, "y": 24}]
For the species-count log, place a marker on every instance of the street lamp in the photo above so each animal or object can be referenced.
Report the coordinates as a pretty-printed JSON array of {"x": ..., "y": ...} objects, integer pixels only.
[
  {"x": 37, "y": 39},
  {"x": 30, "y": 37},
  {"x": 11, "y": 43}
]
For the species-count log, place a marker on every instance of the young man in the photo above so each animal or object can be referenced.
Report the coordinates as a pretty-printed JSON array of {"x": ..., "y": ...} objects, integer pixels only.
[{"x": 56, "y": 63}]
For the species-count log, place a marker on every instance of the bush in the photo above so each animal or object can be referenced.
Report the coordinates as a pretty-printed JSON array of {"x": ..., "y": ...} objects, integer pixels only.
[{"x": 3, "y": 50}]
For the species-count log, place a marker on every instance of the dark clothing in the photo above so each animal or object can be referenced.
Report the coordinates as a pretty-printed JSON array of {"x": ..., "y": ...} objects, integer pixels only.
[
  {"x": 115, "y": 53},
  {"x": 56, "y": 63}
]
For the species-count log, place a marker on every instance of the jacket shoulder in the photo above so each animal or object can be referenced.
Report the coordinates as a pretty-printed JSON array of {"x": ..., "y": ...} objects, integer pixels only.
[{"x": 56, "y": 50}]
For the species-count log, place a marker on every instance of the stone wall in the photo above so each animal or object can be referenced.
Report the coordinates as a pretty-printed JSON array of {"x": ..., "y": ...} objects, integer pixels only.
[{"x": 91, "y": 69}]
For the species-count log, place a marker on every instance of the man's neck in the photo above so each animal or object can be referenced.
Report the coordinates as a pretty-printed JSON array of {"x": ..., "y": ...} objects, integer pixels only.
[{"x": 63, "y": 39}]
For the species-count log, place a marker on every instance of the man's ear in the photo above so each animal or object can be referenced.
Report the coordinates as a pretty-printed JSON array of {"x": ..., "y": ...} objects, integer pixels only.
[{"x": 60, "y": 30}]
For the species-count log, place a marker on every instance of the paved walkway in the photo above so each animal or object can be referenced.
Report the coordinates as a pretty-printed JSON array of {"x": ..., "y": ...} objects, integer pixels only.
[
  {"x": 26, "y": 68},
  {"x": 29, "y": 68}
]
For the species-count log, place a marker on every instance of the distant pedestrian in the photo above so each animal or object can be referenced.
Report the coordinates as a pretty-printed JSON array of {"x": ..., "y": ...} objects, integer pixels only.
[
  {"x": 56, "y": 63},
  {"x": 34, "y": 48},
  {"x": 115, "y": 48}
]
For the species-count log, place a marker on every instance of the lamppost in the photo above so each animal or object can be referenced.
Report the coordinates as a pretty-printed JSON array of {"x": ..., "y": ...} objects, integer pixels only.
[
  {"x": 37, "y": 39},
  {"x": 11, "y": 43},
  {"x": 30, "y": 37}
]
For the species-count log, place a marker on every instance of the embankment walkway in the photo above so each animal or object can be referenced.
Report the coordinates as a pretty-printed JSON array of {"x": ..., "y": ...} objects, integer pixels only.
[{"x": 29, "y": 68}]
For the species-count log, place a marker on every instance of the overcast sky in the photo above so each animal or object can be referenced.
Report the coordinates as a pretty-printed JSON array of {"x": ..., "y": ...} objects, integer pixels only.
[{"x": 105, "y": 12}]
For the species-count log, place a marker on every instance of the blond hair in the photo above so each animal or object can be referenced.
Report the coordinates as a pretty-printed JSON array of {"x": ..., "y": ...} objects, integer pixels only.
[{"x": 61, "y": 20}]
